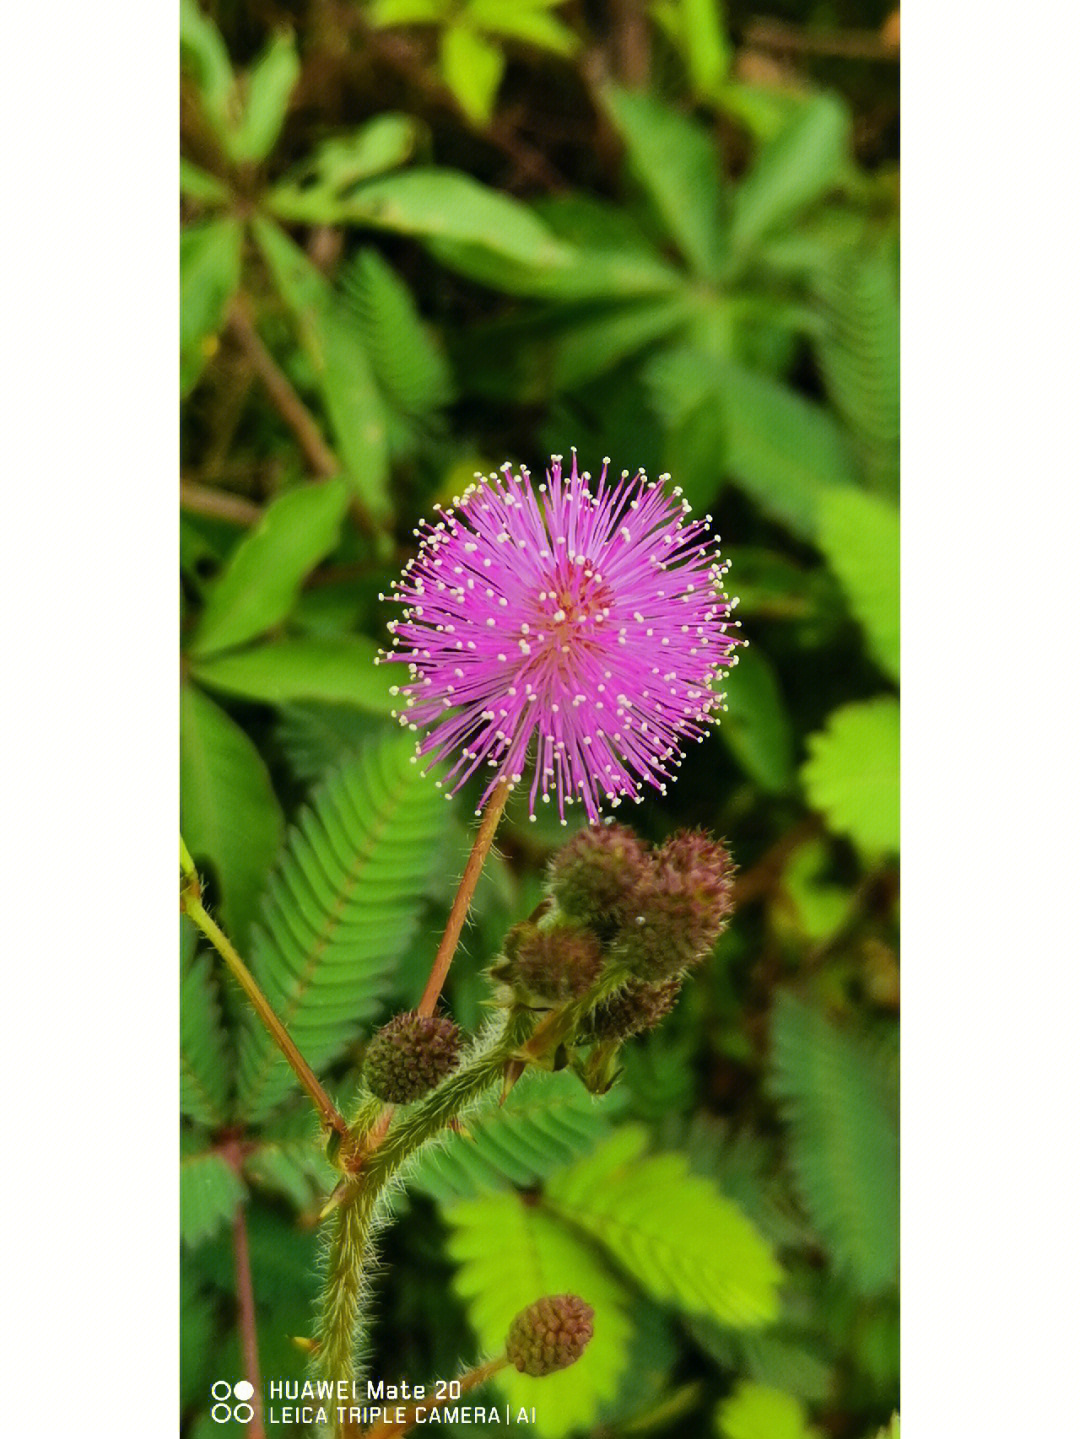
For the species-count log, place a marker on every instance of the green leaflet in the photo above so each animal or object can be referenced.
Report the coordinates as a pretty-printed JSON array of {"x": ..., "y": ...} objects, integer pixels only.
[
  {"x": 547, "y": 1121},
  {"x": 262, "y": 579},
  {"x": 209, "y": 1193},
  {"x": 339, "y": 911},
  {"x": 316, "y": 190},
  {"x": 785, "y": 451},
  {"x": 853, "y": 773},
  {"x": 198, "y": 1326},
  {"x": 842, "y": 1141},
  {"x": 511, "y": 1254},
  {"x": 756, "y": 727},
  {"x": 204, "y": 54},
  {"x": 209, "y": 277},
  {"x": 472, "y": 68},
  {"x": 675, "y": 161},
  {"x": 229, "y": 813},
  {"x": 859, "y": 535},
  {"x": 338, "y": 670},
  {"x": 409, "y": 366},
  {"x": 800, "y": 165},
  {"x": 204, "y": 1050},
  {"x": 289, "y": 1159},
  {"x": 859, "y": 354},
  {"x": 336, "y": 350},
  {"x": 756, "y": 1412},
  {"x": 674, "y": 1232},
  {"x": 315, "y": 737},
  {"x": 696, "y": 28},
  {"x": 270, "y": 83}
]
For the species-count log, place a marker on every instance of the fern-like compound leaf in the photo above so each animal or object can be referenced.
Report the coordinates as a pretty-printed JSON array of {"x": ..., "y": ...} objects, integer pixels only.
[
  {"x": 204, "y": 1051},
  {"x": 512, "y": 1253},
  {"x": 843, "y": 1142},
  {"x": 209, "y": 1193},
  {"x": 338, "y": 913},
  {"x": 672, "y": 1231},
  {"x": 548, "y": 1120}
]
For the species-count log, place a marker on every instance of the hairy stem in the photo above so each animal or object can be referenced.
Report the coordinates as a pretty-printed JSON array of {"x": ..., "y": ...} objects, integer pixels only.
[
  {"x": 460, "y": 908},
  {"x": 356, "y": 1213},
  {"x": 191, "y": 905},
  {"x": 249, "y": 1342}
]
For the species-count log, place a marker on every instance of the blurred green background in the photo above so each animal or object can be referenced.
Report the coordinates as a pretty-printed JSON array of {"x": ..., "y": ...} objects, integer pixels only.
[{"x": 421, "y": 237}]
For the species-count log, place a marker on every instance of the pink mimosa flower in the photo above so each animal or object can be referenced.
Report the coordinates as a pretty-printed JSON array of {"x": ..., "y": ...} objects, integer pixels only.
[{"x": 567, "y": 632}]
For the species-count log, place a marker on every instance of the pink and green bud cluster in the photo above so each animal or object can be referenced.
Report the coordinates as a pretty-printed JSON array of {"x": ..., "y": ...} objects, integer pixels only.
[
  {"x": 408, "y": 1057},
  {"x": 637, "y": 1008},
  {"x": 564, "y": 635},
  {"x": 551, "y": 962},
  {"x": 678, "y": 908},
  {"x": 550, "y": 1335}
]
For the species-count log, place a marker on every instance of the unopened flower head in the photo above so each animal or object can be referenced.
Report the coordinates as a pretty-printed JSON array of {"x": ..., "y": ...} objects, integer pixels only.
[{"x": 566, "y": 631}]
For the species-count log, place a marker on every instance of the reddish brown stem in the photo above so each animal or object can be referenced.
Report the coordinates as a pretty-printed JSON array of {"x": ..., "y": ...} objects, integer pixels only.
[
  {"x": 449, "y": 942},
  {"x": 249, "y": 1341}
]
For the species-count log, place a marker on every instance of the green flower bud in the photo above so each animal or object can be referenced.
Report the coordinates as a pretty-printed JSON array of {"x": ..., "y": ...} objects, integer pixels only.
[
  {"x": 678, "y": 909},
  {"x": 592, "y": 876},
  {"x": 551, "y": 1334},
  {"x": 410, "y": 1055}
]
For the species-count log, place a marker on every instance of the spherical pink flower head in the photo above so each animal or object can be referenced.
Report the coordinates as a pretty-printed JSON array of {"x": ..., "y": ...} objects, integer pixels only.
[{"x": 578, "y": 627}]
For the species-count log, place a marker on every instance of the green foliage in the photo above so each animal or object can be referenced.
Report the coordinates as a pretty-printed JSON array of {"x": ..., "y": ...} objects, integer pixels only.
[
  {"x": 330, "y": 671},
  {"x": 648, "y": 1211},
  {"x": 209, "y": 276},
  {"x": 757, "y": 1412},
  {"x": 509, "y": 1253},
  {"x": 210, "y": 1190},
  {"x": 852, "y": 775},
  {"x": 260, "y": 584},
  {"x": 860, "y": 536},
  {"x": 547, "y": 1120},
  {"x": 229, "y": 813},
  {"x": 756, "y": 725},
  {"x": 339, "y": 911},
  {"x": 843, "y": 1142},
  {"x": 204, "y": 1055}
]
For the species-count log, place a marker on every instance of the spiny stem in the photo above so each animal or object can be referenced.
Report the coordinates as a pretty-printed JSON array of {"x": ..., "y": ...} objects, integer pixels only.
[
  {"x": 249, "y": 1342},
  {"x": 385, "y": 1429},
  {"x": 191, "y": 904},
  {"x": 460, "y": 908}
]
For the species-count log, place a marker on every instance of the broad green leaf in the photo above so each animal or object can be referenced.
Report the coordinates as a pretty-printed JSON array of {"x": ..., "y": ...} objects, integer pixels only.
[
  {"x": 522, "y": 20},
  {"x": 314, "y": 192},
  {"x": 859, "y": 535},
  {"x": 842, "y": 1142},
  {"x": 511, "y": 1254},
  {"x": 783, "y": 450},
  {"x": 339, "y": 911},
  {"x": 335, "y": 347},
  {"x": 472, "y": 68},
  {"x": 756, "y": 726},
  {"x": 205, "y": 1063},
  {"x": 853, "y": 773},
  {"x": 892, "y": 1429},
  {"x": 228, "y": 810},
  {"x": 546, "y": 1121},
  {"x": 409, "y": 366},
  {"x": 270, "y": 83},
  {"x": 199, "y": 184},
  {"x": 198, "y": 1333},
  {"x": 209, "y": 277},
  {"x": 204, "y": 52},
  {"x": 335, "y": 671},
  {"x": 811, "y": 905},
  {"x": 756, "y": 1412},
  {"x": 675, "y": 162},
  {"x": 672, "y": 1231},
  {"x": 209, "y": 1193},
  {"x": 799, "y": 166},
  {"x": 260, "y": 584},
  {"x": 705, "y": 44}
]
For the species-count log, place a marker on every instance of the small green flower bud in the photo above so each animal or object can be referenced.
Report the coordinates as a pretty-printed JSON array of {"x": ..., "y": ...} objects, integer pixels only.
[
  {"x": 410, "y": 1055},
  {"x": 551, "y": 1334},
  {"x": 558, "y": 963},
  {"x": 634, "y": 1009},
  {"x": 592, "y": 876},
  {"x": 679, "y": 907}
]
